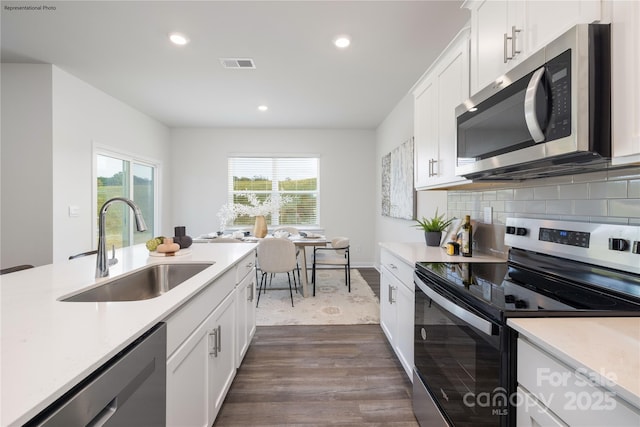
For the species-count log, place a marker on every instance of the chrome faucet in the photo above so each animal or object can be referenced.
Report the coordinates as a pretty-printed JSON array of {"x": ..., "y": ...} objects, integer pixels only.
[{"x": 102, "y": 264}]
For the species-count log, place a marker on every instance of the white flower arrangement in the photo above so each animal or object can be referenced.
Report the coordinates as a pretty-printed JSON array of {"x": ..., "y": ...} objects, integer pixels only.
[{"x": 229, "y": 212}]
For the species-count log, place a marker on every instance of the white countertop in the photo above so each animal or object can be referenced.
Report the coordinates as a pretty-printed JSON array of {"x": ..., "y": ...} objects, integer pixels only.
[
  {"x": 48, "y": 346},
  {"x": 419, "y": 252},
  {"x": 603, "y": 346}
]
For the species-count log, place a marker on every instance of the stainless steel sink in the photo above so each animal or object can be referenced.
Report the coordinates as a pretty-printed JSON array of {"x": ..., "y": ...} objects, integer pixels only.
[{"x": 150, "y": 282}]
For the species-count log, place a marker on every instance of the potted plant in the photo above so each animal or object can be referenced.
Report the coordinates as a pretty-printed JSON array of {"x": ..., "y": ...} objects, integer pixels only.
[{"x": 433, "y": 228}]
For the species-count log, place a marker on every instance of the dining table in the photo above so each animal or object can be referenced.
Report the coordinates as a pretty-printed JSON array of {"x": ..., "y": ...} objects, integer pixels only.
[{"x": 301, "y": 242}]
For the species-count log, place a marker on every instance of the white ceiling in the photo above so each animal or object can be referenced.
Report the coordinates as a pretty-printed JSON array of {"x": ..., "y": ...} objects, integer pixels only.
[{"x": 121, "y": 47}]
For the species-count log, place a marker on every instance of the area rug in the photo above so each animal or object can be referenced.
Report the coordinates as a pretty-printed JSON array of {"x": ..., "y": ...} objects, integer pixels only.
[{"x": 332, "y": 305}]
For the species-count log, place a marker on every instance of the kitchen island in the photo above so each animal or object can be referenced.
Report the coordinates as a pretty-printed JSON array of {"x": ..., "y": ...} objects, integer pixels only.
[{"x": 48, "y": 345}]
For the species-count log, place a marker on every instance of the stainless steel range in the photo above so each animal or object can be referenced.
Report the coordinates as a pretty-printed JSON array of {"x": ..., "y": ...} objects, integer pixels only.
[{"x": 463, "y": 346}]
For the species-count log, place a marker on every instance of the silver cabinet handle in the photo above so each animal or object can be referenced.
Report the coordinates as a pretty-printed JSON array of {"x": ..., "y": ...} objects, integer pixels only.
[
  {"x": 391, "y": 298},
  {"x": 251, "y": 295},
  {"x": 219, "y": 335},
  {"x": 249, "y": 265},
  {"x": 514, "y": 31},
  {"x": 530, "y": 106},
  {"x": 513, "y": 37},
  {"x": 393, "y": 266},
  {"x": 432, "y": 171},
  {"x": 213, "y": 350}
]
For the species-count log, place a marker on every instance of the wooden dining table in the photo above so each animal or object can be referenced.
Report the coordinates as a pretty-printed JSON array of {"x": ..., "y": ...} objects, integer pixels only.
[{"x": 301, "y": 242}]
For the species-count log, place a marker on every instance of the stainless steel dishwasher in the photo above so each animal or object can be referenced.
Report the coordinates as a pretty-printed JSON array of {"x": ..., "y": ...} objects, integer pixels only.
[{"x": 128, "y": 390}]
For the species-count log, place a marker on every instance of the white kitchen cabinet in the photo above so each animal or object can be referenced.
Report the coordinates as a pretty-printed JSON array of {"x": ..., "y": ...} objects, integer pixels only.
[
  {"x": 552, "y": 392},
  {"x": 439, "y": 92},
  {"x": 245, "y": 313},
  {"x": 505, "y": 32},
  {"x": 625, "y": 96},
  {"x": 200, "y": 372},
  {"x": 207, "y": 339},
  {"x": 397, "y": 298}
]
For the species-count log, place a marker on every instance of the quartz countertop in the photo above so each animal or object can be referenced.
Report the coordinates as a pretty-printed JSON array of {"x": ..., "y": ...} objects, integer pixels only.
[
  {"x": 609, "y": 348},
  {"x": 48, "y": 345},
  {"x": 419, "y": 252}
]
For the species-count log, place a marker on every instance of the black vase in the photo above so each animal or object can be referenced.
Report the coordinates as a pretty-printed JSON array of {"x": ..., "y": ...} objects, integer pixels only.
[{"x": 181, "y": 237}]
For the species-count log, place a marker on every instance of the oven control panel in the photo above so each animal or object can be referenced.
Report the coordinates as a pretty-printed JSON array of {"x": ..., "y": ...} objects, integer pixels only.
[{"x": 609, "y": 245}]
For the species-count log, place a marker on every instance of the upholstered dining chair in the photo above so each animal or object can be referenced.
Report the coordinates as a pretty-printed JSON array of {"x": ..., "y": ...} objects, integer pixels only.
[
  {"x": 293, "y": 231},
  {"x": 276, "y": 255},
  {"x": 335, "y": 254}
]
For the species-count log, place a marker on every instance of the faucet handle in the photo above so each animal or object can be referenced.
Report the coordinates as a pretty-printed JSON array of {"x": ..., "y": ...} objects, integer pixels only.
[{"x": 113, "y": 260}]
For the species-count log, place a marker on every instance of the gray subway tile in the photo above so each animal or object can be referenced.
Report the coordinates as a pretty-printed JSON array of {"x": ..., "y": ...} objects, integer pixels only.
[
  {"x": 559, "y": 207},
  {"x": 633, "y": 190},
  {"x": 546, "y": 193},
  {"x": 523, "y": 194},
  {"x": 505, "y": 194},
  {"x": 590, "y": 207},
  {"x": 625, "y": 207},
  {"x": 573, "y": 191},
  {"x": 535, "y": 206},
  {"x": 608, "y": 190}
]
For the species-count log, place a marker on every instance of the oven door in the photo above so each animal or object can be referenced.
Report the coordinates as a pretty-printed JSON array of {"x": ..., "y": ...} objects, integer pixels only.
[{"x": 458, "y": 358}]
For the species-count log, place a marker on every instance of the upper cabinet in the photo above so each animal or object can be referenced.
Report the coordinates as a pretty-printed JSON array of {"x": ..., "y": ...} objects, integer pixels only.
[
  {"x": 443, "y": 87},
  {"x": 625, "y": 95},
  {"x": 504, "y": 32}
]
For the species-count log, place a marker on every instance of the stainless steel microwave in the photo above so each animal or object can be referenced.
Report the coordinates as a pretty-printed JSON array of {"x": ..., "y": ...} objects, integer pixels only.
[{"x": 550, "y": 115}]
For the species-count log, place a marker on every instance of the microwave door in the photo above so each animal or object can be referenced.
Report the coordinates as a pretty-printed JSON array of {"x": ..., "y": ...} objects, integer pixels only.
[{"x": 535, "y": 105}]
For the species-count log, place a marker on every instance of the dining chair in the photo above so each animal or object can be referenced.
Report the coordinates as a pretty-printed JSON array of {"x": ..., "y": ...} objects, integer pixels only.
[
  {"x": 276, "y": 255},
  {"x": 335, "y": 254},
  {"x": 293, "y": 231}
]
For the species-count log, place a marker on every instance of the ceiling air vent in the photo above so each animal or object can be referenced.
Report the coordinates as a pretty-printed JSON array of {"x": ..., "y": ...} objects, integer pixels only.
[{"x": 237, "y": 63}]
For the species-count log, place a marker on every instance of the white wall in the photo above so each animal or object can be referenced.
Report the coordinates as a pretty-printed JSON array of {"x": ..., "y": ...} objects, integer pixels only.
[
  {"x": 393, "y": 131},
  {"x": 50, "y": 120},
  {"x": 348, "y": 182},
  {"x": 83, "y": 115},
  {"x": 26, "y": 169}
]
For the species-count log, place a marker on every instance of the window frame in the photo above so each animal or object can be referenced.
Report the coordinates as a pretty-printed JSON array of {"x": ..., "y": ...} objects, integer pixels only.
[
  {"x": 231, "y": 191},
  {"x": 104, "y": 150}
]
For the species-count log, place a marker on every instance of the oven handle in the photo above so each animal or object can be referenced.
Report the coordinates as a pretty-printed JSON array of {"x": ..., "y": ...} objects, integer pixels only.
[{"x": 466, "y": 316}]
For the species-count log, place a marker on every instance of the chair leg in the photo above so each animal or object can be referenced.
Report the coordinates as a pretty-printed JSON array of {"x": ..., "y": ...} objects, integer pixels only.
[
  {"x": 290, "y": 289},
  {"x": 349, "y": 277},
  {"x": 262, "y": 281},
  {"x": 313, "y": 277}
]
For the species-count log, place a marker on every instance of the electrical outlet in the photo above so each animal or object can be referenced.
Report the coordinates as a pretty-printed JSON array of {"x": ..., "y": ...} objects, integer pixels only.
[{"x": 488, "y": 215}]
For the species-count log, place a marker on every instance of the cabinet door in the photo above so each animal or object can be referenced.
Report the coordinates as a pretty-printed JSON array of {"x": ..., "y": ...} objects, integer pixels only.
[
  {"x": 425, "y": 131},
  {"x": 245, "y": 315},
  {"x": 221, "y": 356},
  {"x": 489, "y": 24},
  {"x": 453, "y": 89},
  {"x": 625, "y": 102},
  {"x": 531, "y": 414},
  {"x": 546, "y": 20},
  {"x": 188, "y": 372},
  {"x": 405, "y": 324},
  {"x": 388, "y": 307}
]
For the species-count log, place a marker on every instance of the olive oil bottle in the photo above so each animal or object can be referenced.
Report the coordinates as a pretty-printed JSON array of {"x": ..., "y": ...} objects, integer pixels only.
[{"x": 466, "y": 247}]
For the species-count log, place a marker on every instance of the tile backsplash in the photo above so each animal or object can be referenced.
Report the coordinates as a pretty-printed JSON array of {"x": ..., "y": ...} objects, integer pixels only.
[{"x": 611, "y": 196}]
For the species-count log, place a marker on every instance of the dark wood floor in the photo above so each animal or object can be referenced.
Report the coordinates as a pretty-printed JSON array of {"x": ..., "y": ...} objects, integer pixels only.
[
  {"x": 372, "y": 277},
  {"x": 320, "y": 376}
]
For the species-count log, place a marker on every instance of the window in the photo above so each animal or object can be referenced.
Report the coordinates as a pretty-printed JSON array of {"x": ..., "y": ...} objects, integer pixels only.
[
  {"x": 121, "y": 176},
  {"x": 292, "y": 177}
]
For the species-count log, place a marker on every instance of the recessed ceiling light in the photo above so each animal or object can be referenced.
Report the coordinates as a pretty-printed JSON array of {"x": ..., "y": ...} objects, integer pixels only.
[
  {"x": 263, "y": 108},
  {"x": 178, "y": 38},
  {"x": 342, "y": 42}
]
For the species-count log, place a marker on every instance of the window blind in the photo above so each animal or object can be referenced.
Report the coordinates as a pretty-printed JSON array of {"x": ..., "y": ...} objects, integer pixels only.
[{"x": 295, "y": 178}]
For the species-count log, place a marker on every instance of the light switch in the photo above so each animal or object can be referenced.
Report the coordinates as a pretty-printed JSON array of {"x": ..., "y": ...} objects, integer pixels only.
[{"x": 74, "y": 211}]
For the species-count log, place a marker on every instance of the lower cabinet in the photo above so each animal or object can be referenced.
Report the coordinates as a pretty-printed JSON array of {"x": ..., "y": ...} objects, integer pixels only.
[
  {"x": 245, "y": 315},
  {"x": 397, "y": 298},
  {"x": 551, "y": 393},
  {"x": 200, "y": 372},
  {"x": 207, "y": 339}
]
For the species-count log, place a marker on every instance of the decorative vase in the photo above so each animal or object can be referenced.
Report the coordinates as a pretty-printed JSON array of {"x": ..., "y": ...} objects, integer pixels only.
[
  {"x": 432, "y": 238},
  {"x": 260, "y": 228},
  {"x": 181, "y": 237}
]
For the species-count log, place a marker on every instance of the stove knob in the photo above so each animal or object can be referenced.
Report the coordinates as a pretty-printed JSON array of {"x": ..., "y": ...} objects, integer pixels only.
[
  {"x": 635, "y": 249},
  {"x": 521, "y": 231},
  {"x": 618, "y": 244},
  {"x": 521, "y": 304},
  {"x": 511, "y": 229}
]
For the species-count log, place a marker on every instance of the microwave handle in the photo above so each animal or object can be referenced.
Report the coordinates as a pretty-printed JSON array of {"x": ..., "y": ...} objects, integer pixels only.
[
  {"x": 530, "y": 106},
  {"x": 466, "y": 316}
]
